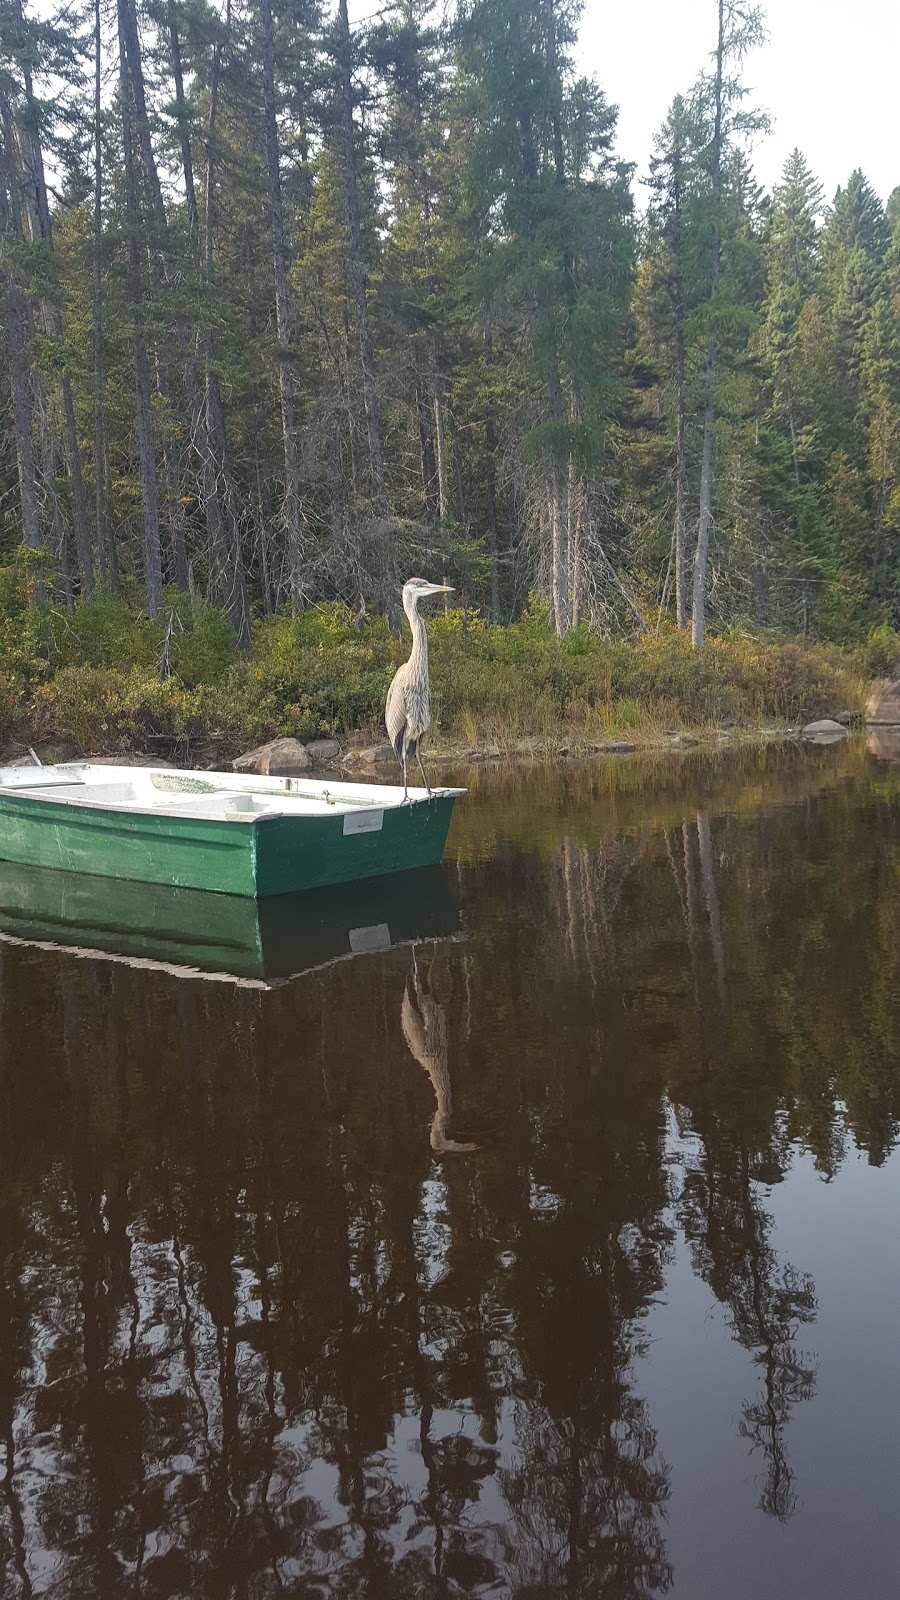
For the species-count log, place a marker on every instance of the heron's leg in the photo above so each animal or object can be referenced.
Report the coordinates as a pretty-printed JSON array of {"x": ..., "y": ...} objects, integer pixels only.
[
  {"x": 422, "y": 770},
  {"x": 406, "y": 799}
]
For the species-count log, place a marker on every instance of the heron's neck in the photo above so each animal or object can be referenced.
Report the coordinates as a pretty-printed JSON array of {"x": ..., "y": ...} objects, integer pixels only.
[{"x": 419, "y": 650}]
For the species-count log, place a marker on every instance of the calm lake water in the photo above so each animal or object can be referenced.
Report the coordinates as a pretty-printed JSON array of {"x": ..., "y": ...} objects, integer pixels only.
[{"x": 556, "y": 1255}]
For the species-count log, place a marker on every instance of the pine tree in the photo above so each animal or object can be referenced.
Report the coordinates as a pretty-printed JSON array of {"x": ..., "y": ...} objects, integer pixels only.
[
  {"x": 719, "y": 98},
  {"x": 143, "y": 405},
  {"x": 366, "y": 352},
  {"x": 560, "y": 251},
  {"x": 792, "y": 275},
  {"x": 673, "y": 176},
  {"x": 292, "y": 499},
  {"x": 855, "y": 242}
]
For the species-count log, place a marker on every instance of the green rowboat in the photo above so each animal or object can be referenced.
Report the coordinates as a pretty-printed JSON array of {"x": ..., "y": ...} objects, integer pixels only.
[{"x": 231, "y": 835}]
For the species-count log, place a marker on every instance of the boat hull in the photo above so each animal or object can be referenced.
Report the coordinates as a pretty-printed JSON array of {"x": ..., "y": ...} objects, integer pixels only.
[{"x": 260, "y": 856}]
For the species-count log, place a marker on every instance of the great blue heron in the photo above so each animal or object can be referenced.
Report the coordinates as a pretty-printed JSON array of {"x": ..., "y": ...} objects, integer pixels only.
[{"x": 407, "y": 711}]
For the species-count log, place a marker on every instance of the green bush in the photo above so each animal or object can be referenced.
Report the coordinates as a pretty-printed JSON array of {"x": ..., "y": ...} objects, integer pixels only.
[
  {"x": 23, "y": 626},
  {"x": 201, "y": 643},
  {"x": 13, "y": 706},
  {"x": 881, "y": 652},
  {"x": 103, "y": 632},
  {"x": 102, "y": 708}
]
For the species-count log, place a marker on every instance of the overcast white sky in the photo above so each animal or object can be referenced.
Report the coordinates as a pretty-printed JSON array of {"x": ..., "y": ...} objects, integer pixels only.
[{"x": 829, "y": 78}]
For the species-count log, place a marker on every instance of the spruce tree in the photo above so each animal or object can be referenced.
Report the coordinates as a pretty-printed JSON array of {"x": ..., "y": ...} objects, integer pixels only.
[{"x": 718, "y": 98}]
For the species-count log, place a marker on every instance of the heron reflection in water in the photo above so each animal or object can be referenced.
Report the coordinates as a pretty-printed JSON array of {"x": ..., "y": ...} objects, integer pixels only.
[{"x": 424, "y": 1025}]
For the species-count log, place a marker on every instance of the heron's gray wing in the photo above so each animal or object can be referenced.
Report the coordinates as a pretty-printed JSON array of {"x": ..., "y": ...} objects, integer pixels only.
[{"x": 395, "y": 712}]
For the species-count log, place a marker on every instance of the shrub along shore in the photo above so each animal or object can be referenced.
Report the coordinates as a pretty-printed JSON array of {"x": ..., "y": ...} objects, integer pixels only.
[{"x": 100, "y": 679}]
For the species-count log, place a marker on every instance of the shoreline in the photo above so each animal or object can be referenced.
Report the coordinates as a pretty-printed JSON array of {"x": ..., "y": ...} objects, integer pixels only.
[{"x": 363, "y": 756}]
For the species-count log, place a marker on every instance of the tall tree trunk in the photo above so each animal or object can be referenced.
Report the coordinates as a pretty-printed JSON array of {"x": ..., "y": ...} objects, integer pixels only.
[
  {"x": 457, "y": 467},
  {"x": 760, "y": 596},
  {"x": 83, "y": 539},
  {"x": 559, "y": 160},
  {"x": 789, "y": 398},
  {"x": 490, "y": 475},
  {"x": 59, "y": 543},
  {"x": 559, "y": 496},
  {"x": 698, "y": 629},
  {"x": 161, "y": 274},
  {"x": 680, "y": 482},
  {"x": 680, "y": 530},
  {"x": 559, "y": 537},
  {"x": 15, "y": 320},
  {"x": 427, "y": 465},
  {"x": 440, "y": 435},
  {"x": 367, "y": 356},
  {"x": 554, "y": 559},
  {"x": 177, "y": 570},
  {"x": 140, "y": 127},
  {"x": 559, "y": 522},
  {"x": 146, "y": 456},
  {"x": 236, "y": 594},
  {"x": 226, "y": 563},
  {"x": 184, "y": 125},
  {"x": 282, "y": 320},
  {"x": 106, "y": 551},
  {"x": 219, "y": 516},
  {"x": 437, "y": 388},
  {"x": 576, "y": 527},
  {"x": 33, "y": 160}
]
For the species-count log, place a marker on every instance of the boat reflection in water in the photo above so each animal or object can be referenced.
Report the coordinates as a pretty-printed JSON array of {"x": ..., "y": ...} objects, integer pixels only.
[{"x": 259, "y": 941}]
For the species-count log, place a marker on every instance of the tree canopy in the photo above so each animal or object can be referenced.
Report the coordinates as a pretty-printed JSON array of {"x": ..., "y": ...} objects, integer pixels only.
[{"x": 292, "y": 309}]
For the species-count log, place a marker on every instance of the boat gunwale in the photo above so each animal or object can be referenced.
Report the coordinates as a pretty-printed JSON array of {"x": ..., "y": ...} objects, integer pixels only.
[{"x": 222, "y": 783}]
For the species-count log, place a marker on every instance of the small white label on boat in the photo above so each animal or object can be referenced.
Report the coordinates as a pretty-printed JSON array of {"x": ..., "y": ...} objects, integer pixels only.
[
  {"x": 363, "y": 821},
  {"x": 365, "y": 939}
]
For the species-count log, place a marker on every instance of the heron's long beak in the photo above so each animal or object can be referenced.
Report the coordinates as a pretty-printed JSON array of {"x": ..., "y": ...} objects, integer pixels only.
[{"x": 440, "y": 588}]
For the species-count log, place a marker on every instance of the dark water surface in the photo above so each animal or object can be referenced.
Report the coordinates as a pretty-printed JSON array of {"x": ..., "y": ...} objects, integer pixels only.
[{"x": 559, "y": 1259}]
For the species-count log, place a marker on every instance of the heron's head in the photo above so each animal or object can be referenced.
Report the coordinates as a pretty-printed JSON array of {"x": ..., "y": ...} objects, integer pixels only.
[{"x": 415, "y": 589}]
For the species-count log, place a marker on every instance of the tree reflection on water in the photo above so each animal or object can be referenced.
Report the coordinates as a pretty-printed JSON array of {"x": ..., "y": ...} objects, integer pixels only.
[{"x": 269, "y": 1323}]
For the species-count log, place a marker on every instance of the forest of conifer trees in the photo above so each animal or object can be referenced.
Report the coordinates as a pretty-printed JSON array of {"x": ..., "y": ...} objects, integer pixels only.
[{"x": 295, "y": 304}]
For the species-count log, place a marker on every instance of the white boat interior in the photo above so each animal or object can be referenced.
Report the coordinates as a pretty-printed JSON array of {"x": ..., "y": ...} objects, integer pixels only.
[{"x": 227, "y": 794}]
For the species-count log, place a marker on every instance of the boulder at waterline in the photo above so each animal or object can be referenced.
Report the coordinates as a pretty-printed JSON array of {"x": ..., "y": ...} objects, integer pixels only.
[
  {"x": 280, "y": 758},
  {"x": 374, "y": 755},
  {"x": 323, "y": 751}
]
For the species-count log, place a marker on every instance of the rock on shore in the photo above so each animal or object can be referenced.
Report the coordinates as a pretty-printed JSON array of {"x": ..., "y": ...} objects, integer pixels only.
[
  {"x": 280, "y": 758},
  {"x": 372, "y": 755}
]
